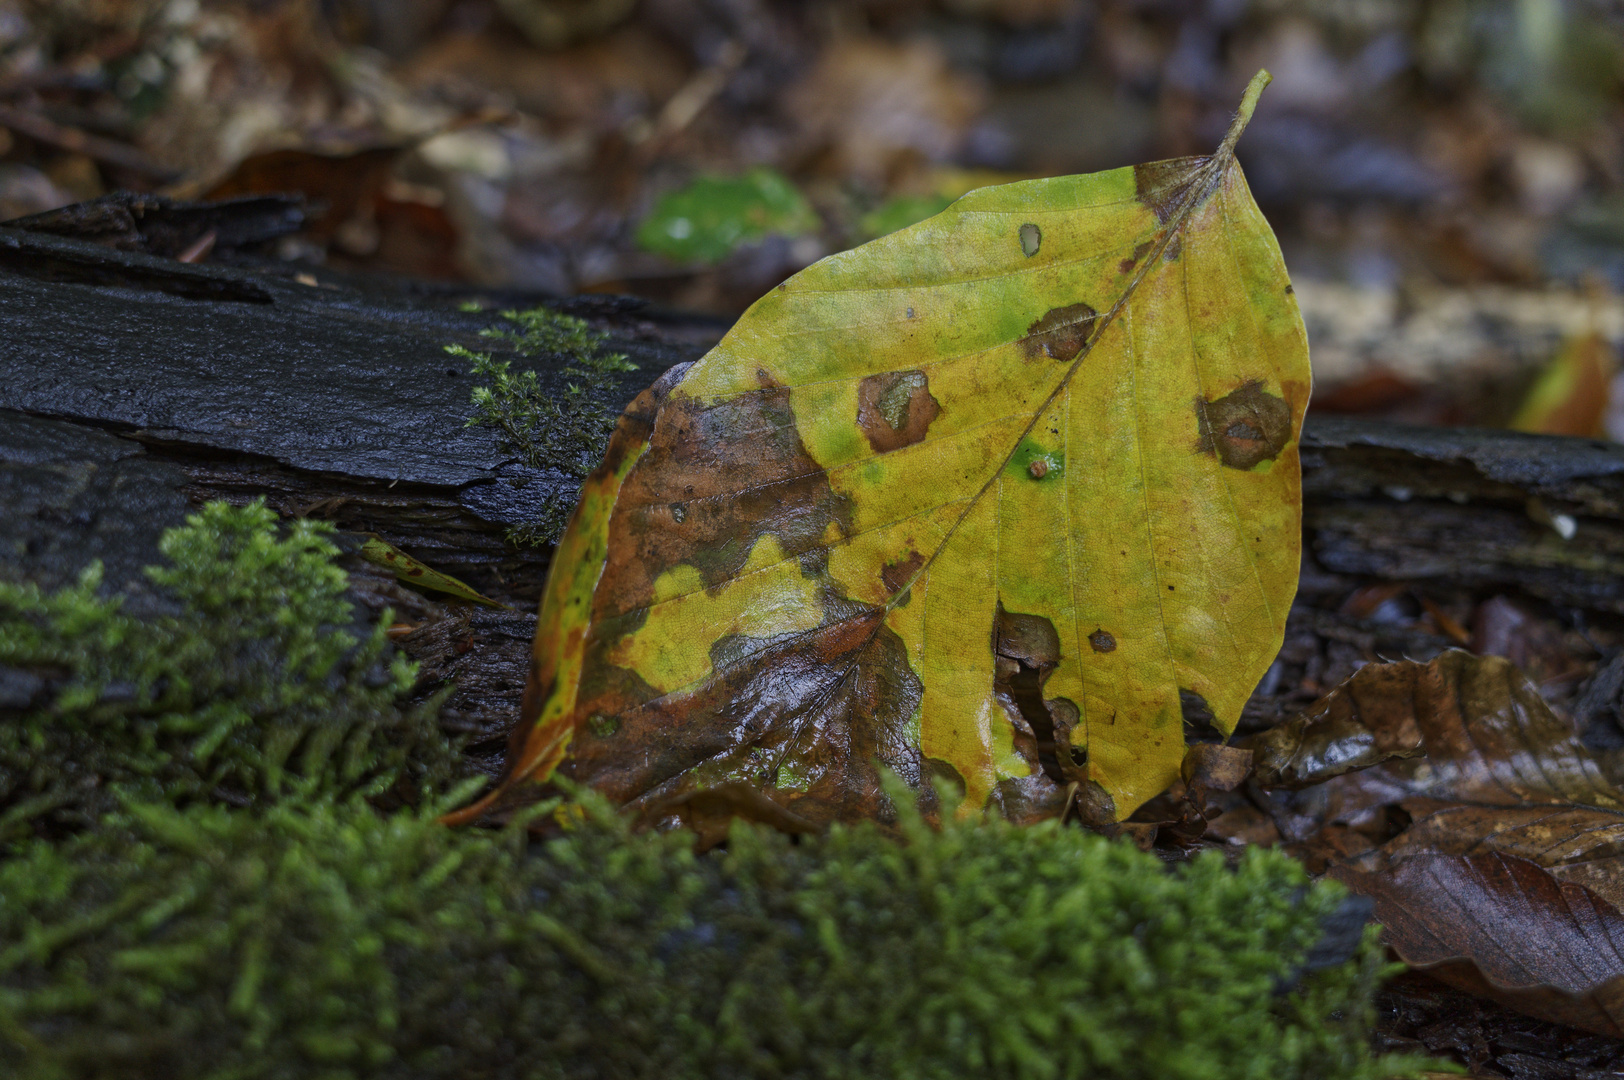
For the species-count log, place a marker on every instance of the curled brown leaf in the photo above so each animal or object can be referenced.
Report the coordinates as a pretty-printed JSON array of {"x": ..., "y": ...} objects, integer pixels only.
[{"x": 1507, "y": 876}]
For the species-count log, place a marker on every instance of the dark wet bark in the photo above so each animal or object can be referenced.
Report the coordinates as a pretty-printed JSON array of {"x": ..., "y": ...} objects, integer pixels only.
[{"x": 134, "y": 388}]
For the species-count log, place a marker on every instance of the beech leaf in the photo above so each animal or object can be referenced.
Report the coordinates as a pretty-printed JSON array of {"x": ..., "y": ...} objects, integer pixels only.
[{"x": 988, "y": 500}]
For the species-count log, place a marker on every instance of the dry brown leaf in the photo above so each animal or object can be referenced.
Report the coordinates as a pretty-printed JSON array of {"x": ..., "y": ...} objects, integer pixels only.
[
  {"x": 1504, "y": 928},
  {"x": 1486, "y": 734},
  {"x": 1508, "y": 881}
]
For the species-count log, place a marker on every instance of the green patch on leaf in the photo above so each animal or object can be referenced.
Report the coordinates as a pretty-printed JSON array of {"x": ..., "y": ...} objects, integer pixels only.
[
  {"x": 710, "y": 218},
  {"x": 1034, "y": 461}
]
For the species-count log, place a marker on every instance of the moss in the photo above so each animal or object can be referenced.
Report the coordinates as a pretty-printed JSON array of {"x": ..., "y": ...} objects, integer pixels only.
[
  {"x": 567, "y": 432},
  {"x": 255, "y": 690},
  {"x": 214, "y": 891},
  {"x": 327, "y": 940}
]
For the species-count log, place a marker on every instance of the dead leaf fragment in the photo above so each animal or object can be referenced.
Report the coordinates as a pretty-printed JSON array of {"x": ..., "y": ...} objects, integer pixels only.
[
  {"x": 1503, "y": 927},
  {"x": 1485, "y": 732},
  {"x": 412, "y": 572}
]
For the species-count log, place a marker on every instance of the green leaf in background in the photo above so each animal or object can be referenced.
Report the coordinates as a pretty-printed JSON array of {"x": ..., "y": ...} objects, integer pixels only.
[
  {"x": 900, "y": 212},
  {"x": 412, "y": 572},
  {"x": 714, "y": 215}
]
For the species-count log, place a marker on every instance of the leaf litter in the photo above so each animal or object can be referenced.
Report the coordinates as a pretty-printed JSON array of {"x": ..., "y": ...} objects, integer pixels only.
[{"x": 1499, "y": 872}]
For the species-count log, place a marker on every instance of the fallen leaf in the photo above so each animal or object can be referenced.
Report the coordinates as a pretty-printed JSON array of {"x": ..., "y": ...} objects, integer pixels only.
[
  {"x": 706, "y": 220},
  {"x": 1215, "y": 767},
  {"x": 900, "y": 212},
  {"x": 1509, "y": 879},
  {"x": 345, "y": 185},
  {"x": 412, "y": 572},
  {"x": 991, "y": 500},
  {"x": 1570, "y": 395},
  {"x": 1485, "y": 733}
]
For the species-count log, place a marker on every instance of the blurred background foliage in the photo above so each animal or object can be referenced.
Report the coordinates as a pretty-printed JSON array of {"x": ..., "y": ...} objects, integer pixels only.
[{"x": 1446, "y": 176}]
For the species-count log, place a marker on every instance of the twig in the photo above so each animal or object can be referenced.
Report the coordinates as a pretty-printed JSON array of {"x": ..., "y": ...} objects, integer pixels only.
[{"x": 108, "y": 151}]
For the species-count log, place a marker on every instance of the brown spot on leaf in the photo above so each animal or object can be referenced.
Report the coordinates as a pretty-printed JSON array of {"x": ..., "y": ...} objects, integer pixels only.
[
  {"x": 897, "y": 574},
  {"x": 744, "y": 473},
  {"x": 1129, "y": 263},
  {"x": 1164, "y": 185},
  {"x": 1102, "y": 641},
  {"x": 1038, "y": 469},
  {"x": 1060, "y": 334},
  {"x": 895, "y": 409},
  {"x": 809, "y": 714},
  {"x": 1029, "y": 639},
  {"x": 1026, "y": 650},
  {"x": 1244, "y": 427},
  {"x": 637, "y": 422}
]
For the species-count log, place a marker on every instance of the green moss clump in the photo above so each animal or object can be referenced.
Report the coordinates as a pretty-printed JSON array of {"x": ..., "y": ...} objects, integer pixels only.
[
  {"x": 567, "y": 432},
  {"x": 326, "y": 940},
  {"x": 212, "y": 892},
  {"x": 255, "y": 690}
]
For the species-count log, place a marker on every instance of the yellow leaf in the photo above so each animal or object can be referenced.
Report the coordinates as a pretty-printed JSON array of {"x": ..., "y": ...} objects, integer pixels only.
[
  {"x": 990, "y": 499},
  {"x": 412, "y": 572}
]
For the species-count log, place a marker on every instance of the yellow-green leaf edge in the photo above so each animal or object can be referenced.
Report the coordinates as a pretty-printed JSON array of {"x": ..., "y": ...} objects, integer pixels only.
[{"x": 382, "y": 553}]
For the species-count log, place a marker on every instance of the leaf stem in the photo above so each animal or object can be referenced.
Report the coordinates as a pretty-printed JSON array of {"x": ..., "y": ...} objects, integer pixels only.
[{"x": 1243, "y": 115}]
